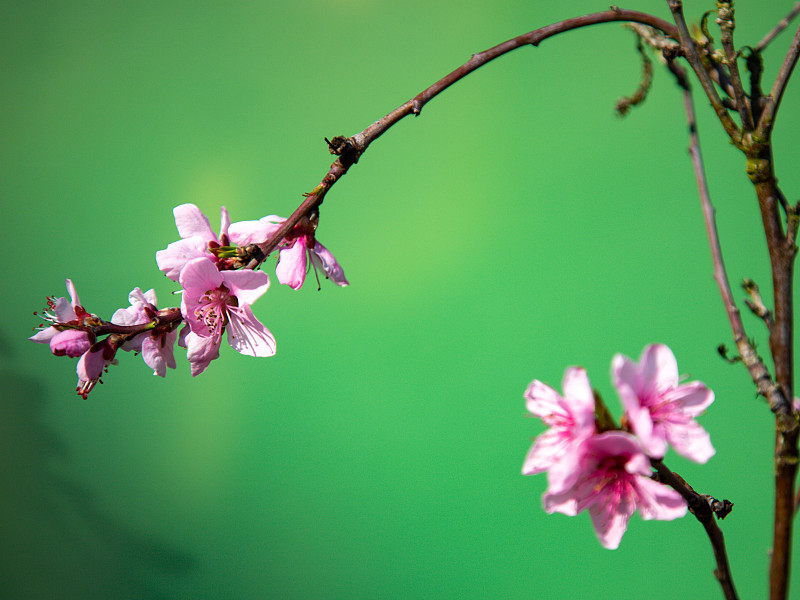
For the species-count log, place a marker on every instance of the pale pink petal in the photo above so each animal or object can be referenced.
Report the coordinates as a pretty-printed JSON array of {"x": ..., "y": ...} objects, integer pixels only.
[
  {"x": 90, "y": 366},
  {"x": 659, "y": 369},
  {"x": 650, "y": 434},
  {"x": 691, "y": 440},
  {"x": 198, "y": 276},
  {"x": 579, "y": 395},
  {"x": 247, "y": 335},
  {"x": 173, "y": 258},
  {"x": 134, "y": 344},
  {"x": 64, "y": 310},
  {"x": 548, "y": 448},
  {"x": 562, "y": 478},
  {"x": 73, "y": 294},
  {"x": 191, "y": 221},
  {"x": 44, "y": 336},
  {"x": 128, "y": 316},
  {"x": 611, "y": 520},
  {"x": 291, "y": 269},
  {"x": 246, "y": 284},
  {"x": 693, "y": 398},
  {"x": 150, "y": 297},
  {"x": 322, "y": 257},
  {"x": 542, "y": 400},
  {"x": 200, "y": 351},
  {"x": 158, "y": 355},
  {"x": 243, "y": 233},
  {"x": 657, "y": 501},
  {"x": 625, "y": 373},
  {"x": 224, "y": 222}
]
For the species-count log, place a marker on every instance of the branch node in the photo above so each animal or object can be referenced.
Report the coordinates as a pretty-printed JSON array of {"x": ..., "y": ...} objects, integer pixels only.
[
  {"x": 338, "y": 145},
  {"x": 755, "y": 302},
  {"x": 722, "y": 350}
]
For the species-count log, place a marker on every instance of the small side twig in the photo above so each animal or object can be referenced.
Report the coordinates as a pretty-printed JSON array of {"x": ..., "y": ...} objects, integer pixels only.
[
  {"x": 776, "y": 95},
  {"x": 705, "y": 508},
  {"x": 782, "y": 24},
  {"x": 624, "y": 104},
  {"x": 756, "y": 304},
  {"x": 725, "y": 20}
]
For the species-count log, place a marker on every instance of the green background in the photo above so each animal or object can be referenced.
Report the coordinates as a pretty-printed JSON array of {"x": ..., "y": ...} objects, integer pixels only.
[{"x": 516, "y": 227}]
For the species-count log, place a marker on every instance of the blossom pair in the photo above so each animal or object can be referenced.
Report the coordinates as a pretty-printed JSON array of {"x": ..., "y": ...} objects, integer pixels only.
[
  {"x": 72, "y": 333},
  {"x": 608, "y": 472}
]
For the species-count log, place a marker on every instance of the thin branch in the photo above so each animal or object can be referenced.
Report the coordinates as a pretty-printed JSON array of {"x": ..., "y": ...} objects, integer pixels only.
[
  {"x": 350, "y": 149},
  {"x": 689, "y": 49},
  {"x": 755, "y": 366},
  {"x": 782, "y": 24},
  {"x": 778, "y": 391},
  {"x": 726, "y": 23},
  {"x": 776, "y": 95},
  {"x": 703, "y": 510}
]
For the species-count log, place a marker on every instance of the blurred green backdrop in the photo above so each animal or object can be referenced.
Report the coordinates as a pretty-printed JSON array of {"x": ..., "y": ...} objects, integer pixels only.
[{"x": 515, "y": 228}]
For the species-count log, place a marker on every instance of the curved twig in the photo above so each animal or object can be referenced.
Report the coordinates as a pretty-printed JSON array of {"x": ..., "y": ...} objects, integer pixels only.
[{"x": 350, "y": 149}]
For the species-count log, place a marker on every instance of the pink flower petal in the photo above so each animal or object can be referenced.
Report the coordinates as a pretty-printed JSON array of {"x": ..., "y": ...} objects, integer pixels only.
[
  {"x": 247, "y": 285},
  {"x": 191, "y": 221},
  {"x": 247, "y": 335},
  {"x": 173, "y": 258},
  {"x": 198, "y": 276},
  {"x": 200, "y": 351},
  {"x": 71, "y": 342},
  {"x": 292, "y": 265},
  {"x": 322, "y": 257},
  {"x": 243, "y": 233}
]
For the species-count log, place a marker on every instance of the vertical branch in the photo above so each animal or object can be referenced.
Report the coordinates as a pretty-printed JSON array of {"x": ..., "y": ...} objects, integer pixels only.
[{"x": 779, "y": 392}]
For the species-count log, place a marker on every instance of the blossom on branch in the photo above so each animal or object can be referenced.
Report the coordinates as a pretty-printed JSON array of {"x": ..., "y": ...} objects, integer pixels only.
[
  {"x": 155, "y": 345},
  {"x": 609, "y": 475},
  {"x": 214, "y": 301},
  {"x": 196, "y": 237},
  {"x": 94, "y": 363},
  {"x": 293, "y": 262},
  {"x": 296, "y": 249},
  {"x": 659, "y": 409},
  {"x": 571, "y": 419},
  {"x": 68, "y": 335}
]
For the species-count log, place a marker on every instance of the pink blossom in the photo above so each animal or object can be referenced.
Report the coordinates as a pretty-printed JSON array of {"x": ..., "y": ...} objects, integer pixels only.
[
  {"x": 571, "y": 419},
  {"x": 196, "y": 235},
  {"x": 293, "y": 262},
  {"x": 156, "y": 345},
  {"x": 69, "y": 334},
  {"x": 297, "y": 249},
  {"x": 610, "y": 476},
  {"x": 214, "y": 301},
  {"x": 660, "y": 410},
  {"x": 93, "y": 363}
]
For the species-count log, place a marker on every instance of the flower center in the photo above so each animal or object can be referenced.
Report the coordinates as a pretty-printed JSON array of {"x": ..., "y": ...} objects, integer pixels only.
[{"x": 212, "y": 309}]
